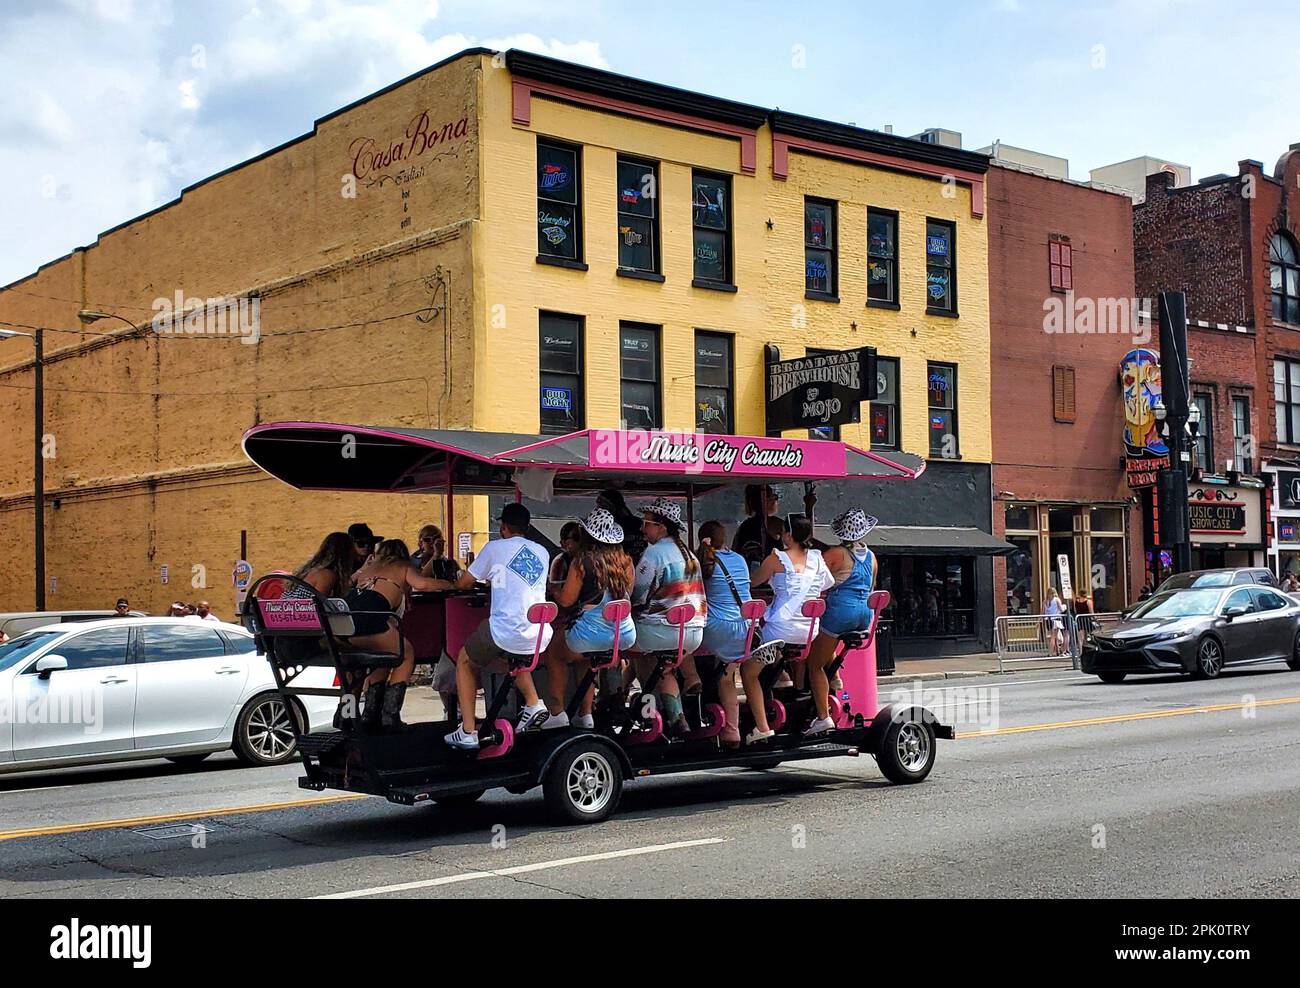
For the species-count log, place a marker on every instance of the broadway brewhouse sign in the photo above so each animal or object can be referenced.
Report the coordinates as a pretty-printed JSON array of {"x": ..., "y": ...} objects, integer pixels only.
[{"x": 819, "y": 390}]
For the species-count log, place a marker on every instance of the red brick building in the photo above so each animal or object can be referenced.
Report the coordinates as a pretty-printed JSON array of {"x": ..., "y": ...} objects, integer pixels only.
[
  {"x": 1061, "y": 260},
  {"x": 1232, "y": 244}
]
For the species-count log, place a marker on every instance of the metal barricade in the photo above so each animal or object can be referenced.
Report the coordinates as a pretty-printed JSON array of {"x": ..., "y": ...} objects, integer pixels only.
[
  {"x": 1028, "y": 638},
  {"x": 1035, "y": 637}
]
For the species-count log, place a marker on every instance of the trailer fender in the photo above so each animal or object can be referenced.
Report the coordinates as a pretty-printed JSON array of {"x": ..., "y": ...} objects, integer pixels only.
[
  {"x": 902, "y": 712},
  {"x": 551, "y": 751}
]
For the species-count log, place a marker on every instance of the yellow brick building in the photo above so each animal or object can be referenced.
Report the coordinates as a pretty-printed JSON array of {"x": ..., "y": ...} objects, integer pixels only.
[{"x": 401, "y": 275}]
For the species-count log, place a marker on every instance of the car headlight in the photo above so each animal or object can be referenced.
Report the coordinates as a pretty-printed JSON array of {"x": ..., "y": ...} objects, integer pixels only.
[{"x": 1167, "y": 636}]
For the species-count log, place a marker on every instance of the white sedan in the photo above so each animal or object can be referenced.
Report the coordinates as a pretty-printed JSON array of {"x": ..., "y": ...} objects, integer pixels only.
[{"x": 129, "y": 688}]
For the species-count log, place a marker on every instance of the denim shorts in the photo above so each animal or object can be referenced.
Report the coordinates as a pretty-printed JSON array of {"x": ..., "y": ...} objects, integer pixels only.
[
  {"x": 841, "y": 618},
  {"x": 592, "y": 633},
  {"x": 726, "y": 639},
  {"x": 657, "y": 636}
]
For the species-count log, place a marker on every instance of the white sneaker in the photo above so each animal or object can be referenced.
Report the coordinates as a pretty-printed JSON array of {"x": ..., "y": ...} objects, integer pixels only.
[
  {"x": 463, "y": 739},
  {"x": 585, "y": 721},
  {"x": 531, "y": 718},
  {"x": 755, "y": 736},
  {"x": 820, "y": 726},
  {"x": 556, "y": 720}
]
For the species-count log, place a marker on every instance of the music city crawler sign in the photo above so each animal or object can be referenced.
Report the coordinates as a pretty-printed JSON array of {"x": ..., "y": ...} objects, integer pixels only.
[{"x": 692, "y": 453}]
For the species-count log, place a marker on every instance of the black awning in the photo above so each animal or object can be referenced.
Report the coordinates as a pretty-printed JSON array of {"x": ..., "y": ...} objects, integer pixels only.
[{"x": 926, "y": 540}]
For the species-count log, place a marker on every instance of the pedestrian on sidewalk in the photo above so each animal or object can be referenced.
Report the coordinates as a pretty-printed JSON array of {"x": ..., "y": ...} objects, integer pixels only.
[{"x": 1055, "y": 626}]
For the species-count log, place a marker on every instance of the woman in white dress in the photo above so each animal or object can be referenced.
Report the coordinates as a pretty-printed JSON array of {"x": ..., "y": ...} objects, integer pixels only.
[{"x": 797, "y": 573}]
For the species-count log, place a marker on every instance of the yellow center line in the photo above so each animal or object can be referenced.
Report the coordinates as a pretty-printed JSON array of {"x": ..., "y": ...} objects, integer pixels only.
[
  {"x": 1122, "y": 718},
  {"x": 73, "y": 828}
]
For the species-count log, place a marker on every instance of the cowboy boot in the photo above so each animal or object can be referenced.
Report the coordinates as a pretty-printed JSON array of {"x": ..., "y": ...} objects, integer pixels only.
[
  {"x": 391, "y": 717},
  {"x": 373, "y": 708}
]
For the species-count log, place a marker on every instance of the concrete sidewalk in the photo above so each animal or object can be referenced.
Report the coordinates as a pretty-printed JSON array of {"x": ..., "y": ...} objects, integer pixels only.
[{"x": 963, "y": 666}]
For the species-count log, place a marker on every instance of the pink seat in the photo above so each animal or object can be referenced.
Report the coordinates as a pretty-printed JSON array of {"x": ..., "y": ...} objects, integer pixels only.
[
  {"x": 615, "y": 612},
  {"x": 752, "y": 611},
  {"x": 877, "y": 601},
  {"x": 679, "y": 617},
  {"x": 540, "y": 614}
]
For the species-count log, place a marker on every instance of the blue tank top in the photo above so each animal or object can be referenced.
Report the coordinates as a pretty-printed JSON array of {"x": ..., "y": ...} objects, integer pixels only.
[
  {"x": 722, "y": 602},
  {"x": 858, "y": 584}
]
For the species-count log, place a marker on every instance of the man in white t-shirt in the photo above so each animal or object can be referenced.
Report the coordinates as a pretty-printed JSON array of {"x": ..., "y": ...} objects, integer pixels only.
[{"x": 516, "y": 568}]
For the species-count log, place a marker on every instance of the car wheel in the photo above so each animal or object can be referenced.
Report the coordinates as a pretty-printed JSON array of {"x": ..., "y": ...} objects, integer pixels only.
[
  {"x": 583, "y": 784},
  {"x": 1112, "y": 677},
  {"x": 188, "y": 759},
  {"x": 1294, "y": 661},
  {"x": 1209, "y": 659},
  {"x": 263, "y": 734},
  {"x": 907, "y": 751}
]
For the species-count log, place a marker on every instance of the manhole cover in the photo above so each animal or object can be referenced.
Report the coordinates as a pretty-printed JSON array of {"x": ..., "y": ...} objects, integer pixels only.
[{"x": 173, "y": 831}]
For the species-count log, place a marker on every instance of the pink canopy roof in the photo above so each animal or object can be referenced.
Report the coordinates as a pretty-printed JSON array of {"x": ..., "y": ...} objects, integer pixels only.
[{"x": 331, "y": 456}]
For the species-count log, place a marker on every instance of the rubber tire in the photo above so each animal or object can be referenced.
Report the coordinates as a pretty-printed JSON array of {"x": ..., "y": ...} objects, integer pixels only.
[
  {"x": 243, "y": 751},
  {"x": 1294, "y": 661},
  {"x": 890, "y": 764},
  {"x": 555, "y": 790},
  {"x": 460, "y": 800},
  {"x": 1198, "y": 672},
  {"x": 1112, "y": 677},
  {"x": 764, "y": 766},
  {"x": 188, "y": 759}
]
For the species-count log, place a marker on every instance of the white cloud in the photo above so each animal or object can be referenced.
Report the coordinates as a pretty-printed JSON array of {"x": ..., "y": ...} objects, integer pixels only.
[
  {"x": 114, "y": 106},
  {"x": 585, "y": 52}
]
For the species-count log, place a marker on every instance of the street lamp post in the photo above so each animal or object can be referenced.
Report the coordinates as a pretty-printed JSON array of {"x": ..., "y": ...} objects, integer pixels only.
[
  {"x": 1175, "y": 412},
  {"x": 38, "y": 455}
]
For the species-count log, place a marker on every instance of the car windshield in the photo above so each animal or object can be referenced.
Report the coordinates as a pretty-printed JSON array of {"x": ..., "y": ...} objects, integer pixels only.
[
  {"x": 1184, "y": 580},
  {"x": 23, "y": 646},
  {"x": 1177, "y": 604}
]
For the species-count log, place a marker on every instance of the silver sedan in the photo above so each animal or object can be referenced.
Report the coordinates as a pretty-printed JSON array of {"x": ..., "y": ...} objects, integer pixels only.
[{"x": 129, "y": 688}]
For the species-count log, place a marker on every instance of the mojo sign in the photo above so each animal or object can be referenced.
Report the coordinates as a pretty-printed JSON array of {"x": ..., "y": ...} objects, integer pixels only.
[{"x": 818, "y": 390}]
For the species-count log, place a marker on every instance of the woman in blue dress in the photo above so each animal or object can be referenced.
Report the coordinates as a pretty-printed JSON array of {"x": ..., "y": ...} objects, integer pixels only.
[
  {"x": 854, "y": 567},
  {"x": 727, "y": 634}
]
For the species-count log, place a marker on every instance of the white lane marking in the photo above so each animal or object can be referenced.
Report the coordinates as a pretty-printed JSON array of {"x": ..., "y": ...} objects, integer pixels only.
[
  {"x": 471, "y": 876},
  {"x": 11, "y": 792}
]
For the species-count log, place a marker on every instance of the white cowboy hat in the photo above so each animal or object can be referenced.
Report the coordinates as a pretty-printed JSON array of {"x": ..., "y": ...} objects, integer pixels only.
[
  {"x": 665, "y": 509},
  {"x": 853, "y": 525},
  {"x": 602, "y": 527}
]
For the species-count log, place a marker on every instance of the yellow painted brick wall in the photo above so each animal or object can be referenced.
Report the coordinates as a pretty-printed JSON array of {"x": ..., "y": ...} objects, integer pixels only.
[{"x": 769, "y": 265}]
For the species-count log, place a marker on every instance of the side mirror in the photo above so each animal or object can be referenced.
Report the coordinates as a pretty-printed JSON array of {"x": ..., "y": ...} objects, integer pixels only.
[
  {"x": 1235, "y": 612},
  {"x": 50, "y": 663}
]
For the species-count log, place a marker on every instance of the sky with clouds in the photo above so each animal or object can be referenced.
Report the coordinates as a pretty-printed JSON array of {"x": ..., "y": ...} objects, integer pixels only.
[{"x": 111, "y": 107}]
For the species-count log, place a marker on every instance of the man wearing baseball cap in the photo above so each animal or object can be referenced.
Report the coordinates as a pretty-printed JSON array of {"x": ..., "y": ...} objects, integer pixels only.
[
  {"x": 516, "y": 567},
  {"x": 363, "y": 543}
]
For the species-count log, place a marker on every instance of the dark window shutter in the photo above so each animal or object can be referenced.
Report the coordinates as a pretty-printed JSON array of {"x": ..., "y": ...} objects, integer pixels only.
[{"x": 1063, "y": 395}]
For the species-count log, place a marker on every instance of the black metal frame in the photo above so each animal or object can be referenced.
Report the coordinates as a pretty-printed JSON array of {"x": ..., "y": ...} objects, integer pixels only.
[{"x": 345, "y": 663}]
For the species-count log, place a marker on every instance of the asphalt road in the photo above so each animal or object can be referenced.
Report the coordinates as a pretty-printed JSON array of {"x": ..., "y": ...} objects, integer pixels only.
[{"x": 1155, "y": 787}]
